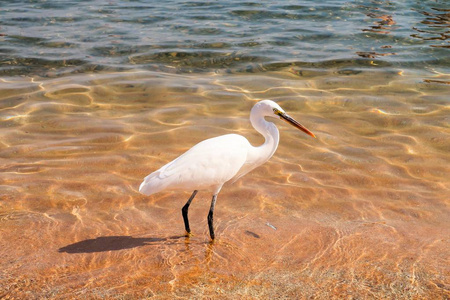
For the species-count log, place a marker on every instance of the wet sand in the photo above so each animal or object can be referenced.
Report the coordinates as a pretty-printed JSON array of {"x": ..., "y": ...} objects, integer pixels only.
[{"x": 361, "y": 212}]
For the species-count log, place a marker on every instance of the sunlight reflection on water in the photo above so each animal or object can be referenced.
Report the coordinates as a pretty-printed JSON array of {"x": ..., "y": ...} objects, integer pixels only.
[{"x": 359, "y": 210}]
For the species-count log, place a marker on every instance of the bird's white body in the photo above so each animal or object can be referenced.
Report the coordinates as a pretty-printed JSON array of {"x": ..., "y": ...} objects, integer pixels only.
[
  {"x": 215, "y": 161},
  {"x": 209, "y": 164}
]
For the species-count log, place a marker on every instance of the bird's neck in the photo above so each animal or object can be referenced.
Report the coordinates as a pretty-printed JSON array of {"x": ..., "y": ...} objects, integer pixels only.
[{"x": 271, "y": 135}]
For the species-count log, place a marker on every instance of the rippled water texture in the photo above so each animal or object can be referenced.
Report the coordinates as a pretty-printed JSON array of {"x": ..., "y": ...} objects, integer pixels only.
[
  {"x": 53, "y": 38},
  {"x": 361, "y": 211},
  {"x": 95, "y": 95}
]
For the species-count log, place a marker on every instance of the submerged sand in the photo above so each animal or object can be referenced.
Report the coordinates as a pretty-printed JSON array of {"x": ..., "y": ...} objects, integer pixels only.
[{"x": 360, "y": 212}]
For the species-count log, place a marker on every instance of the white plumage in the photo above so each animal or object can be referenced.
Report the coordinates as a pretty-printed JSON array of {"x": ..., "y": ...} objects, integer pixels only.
[
  {"x": 215, "y": 161},
  {"x": 209, "y": 164}
]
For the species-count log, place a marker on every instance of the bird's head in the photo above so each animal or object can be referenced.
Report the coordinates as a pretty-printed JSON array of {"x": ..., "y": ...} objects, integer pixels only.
[{"x": 269, "y": 108}]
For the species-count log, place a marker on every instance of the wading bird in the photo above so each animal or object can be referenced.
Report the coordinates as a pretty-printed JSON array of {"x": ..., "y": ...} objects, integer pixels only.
[{"x": 212, "y": 162}]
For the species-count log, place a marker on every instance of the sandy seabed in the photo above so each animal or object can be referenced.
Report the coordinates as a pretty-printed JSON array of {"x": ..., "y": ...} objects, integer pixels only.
[{"x": 361, "y": 212}]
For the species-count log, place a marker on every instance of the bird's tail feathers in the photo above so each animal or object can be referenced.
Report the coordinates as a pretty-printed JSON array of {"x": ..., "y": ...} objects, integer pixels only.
[{"x": 151, "y": 184}]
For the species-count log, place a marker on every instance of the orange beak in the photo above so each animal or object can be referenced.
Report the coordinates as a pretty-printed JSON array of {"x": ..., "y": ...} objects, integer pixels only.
[{"x": 294, "y": 123}]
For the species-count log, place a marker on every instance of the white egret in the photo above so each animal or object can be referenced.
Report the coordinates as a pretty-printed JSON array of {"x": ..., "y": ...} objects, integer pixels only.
[{"x": 215, "y": 161}]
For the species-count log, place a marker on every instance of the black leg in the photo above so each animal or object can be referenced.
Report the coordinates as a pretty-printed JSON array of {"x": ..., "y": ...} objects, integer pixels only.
[
  {"x": 184, "y": 211},
  {"x": 210, "y": 217}
]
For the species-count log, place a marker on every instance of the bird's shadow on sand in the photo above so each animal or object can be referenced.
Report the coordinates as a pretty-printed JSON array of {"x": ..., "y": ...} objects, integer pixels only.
[{"x": 114, "y": 243}]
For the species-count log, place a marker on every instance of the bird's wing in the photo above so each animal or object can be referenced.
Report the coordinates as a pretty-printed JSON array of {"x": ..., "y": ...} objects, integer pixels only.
[
  {"x": 210, "y": 163},
  {"x": 226, "y": 153}
]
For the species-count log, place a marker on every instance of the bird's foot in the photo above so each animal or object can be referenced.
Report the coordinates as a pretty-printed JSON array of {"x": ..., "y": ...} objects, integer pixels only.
[{"x": 188, "y": 234}]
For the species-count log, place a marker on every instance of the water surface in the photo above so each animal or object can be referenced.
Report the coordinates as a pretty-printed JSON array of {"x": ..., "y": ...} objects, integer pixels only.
[
  {"x": 53, "y": 38},
  {"x": 95, "y": 95}
]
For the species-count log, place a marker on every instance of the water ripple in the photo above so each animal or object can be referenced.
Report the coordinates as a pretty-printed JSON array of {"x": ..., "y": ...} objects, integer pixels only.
[{"x": 131, "y": 36}]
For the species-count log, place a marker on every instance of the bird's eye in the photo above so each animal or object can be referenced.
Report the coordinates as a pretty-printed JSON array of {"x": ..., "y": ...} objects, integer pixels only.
[{"x": 276, "y": 111}]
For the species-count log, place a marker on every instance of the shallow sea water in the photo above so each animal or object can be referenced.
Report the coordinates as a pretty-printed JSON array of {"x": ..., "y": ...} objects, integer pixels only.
[{"x": 360, "y": 212}]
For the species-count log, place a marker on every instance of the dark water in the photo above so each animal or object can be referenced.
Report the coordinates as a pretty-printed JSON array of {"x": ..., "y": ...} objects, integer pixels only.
[{"x": 52, "y": 38}]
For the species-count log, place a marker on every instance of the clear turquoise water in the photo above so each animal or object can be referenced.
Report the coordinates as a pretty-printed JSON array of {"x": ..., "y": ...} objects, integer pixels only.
[{"x": 52, "y": 38}]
